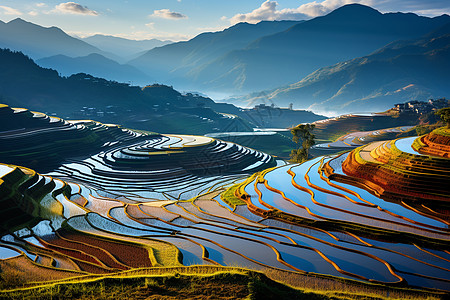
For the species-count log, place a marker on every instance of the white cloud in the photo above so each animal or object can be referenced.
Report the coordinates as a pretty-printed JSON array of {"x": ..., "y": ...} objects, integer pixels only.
[
  {"x": 33, "y": 13},
  {"x": 429, "y": 7},
  {"x": 84, "y": 34},
  {"x": 268, "y": 9},
  {"x": 433, "y": 11},
  {"x": 74, "y": 8},
  {"x": 314, "y": 9},
  {"x": 144, "y": 35},
  {"x": 167, "y": 14},
  {"x": 42, "y": 4},
  {"x": 213, "y": 28},
  {"x": 6, "y": 10},
  {"x": 151, "y": 25}
]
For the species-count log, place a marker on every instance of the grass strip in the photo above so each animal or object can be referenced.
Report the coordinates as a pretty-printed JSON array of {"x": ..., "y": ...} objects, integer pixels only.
[{"x": 229, "y": 283}]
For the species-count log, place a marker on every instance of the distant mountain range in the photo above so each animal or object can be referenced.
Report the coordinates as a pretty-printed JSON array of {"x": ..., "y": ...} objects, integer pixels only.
[
  {"x": 400, "y": 71},
  {"x": 271, "y": 54},
  {"x": 95, "y": 65},
  {"x": 38, "y": 42},
  {"x": 123, "y": 48},
  {"x": 155, "y": 107},
  {"x": 354, "y": 58},
  {"x": 180, "y": 63},
  {"x": 53, "y": 48},
  {"x": 24, "y": 83}
]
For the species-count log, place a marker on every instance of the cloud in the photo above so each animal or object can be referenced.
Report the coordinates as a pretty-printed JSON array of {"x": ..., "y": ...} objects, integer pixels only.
[
  {"x": 41, "y": 4},
  {"x": 212, "y": 28},
  {"x": 145, "y": 35},
  {"x": 429, "y": 7},
  {"x": 167, "y": 14},
  {"x": 314, "y": 9},
  {"x": 6, "y": 10},
  {"x": 268, "y": 9},
  {"x": 74, "y": 8},
  {"x": 151, "y": 25},
  {"x": 432, "y": 12},
  {"x": 33, "y": 13}
]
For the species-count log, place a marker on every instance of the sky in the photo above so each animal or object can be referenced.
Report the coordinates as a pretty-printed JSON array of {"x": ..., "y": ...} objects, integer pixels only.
[{"x": 183, "y": 19}]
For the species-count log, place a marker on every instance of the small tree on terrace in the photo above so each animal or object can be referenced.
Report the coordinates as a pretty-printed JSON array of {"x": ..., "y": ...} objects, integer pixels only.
[
  {"x": 444, "y": 113},
  {"x": 302, "y": 136}
]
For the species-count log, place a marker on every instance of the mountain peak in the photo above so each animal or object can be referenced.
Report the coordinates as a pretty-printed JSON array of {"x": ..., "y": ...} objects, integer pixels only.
[
  {"x": 96, "y": 56},
  {"x": 18, "y": 21},
  {"x": 355, "y": 9},
  {"x": 21, "y": 24}
]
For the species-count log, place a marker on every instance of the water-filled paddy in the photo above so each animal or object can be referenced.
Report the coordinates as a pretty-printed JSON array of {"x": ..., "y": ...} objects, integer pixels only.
[
  {"x": 129, "y": 193},
  {"x": 404, "y": 145}
]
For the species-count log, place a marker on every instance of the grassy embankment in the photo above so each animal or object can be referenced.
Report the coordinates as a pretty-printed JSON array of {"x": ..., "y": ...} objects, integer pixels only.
[{"x": 211, "y": 282}]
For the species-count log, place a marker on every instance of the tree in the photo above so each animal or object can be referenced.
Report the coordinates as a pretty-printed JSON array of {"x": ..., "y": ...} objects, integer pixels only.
[
  {"x": 302, "y": 136},
  {"x": 444, "y": 113}
]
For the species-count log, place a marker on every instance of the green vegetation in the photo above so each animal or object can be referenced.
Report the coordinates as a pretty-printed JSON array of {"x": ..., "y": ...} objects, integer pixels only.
[
  {"x": 14, "y": 215},
  {"x": 423, "y": 129},
  {"x": 230, "y": 198},
  {"x": 229, "y": 283},
  {"x": 444, "y": 113},
  {"x": 302, "y": 136},
  {"x": 442, "y": 131}
]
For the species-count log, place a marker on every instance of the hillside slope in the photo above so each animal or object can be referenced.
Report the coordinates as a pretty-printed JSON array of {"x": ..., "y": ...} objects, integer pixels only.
[
  {"x": 284, "y": 57},
  {"x": 404, "y": 70},
  {"x": 155, "y": 107},
  {"x": 174, "y": 62}
]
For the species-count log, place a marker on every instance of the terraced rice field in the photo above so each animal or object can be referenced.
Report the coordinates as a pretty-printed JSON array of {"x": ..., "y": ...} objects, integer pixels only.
[
  {"x": 356, "y": 139},
  {"x": 149, "y": 201}
]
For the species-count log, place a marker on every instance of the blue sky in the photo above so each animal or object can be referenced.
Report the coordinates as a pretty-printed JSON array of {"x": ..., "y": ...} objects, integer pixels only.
[{"x": 183, "y": 19}]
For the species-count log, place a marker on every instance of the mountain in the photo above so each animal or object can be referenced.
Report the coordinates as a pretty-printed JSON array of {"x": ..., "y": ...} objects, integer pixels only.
[
  {"x": 38, "y": 42},
  {"x": 121, "y": 47},
  {"x": 155, "y": 107},
  {"x": 348, "y": 32},
  {"x": 400, "y": 71},
  {"x": 173, "y": 62},
  {"x": 96, "y": 65},
  {"x": 24, "y": 83},
  {"x": 288, "y": 55},
  {"x": 81, "y": 96}
]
